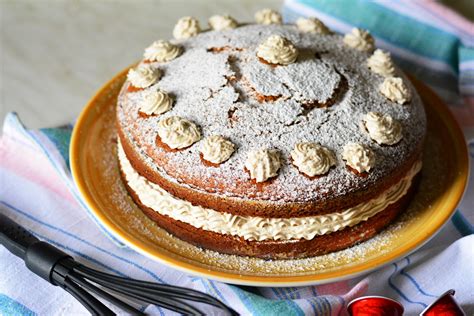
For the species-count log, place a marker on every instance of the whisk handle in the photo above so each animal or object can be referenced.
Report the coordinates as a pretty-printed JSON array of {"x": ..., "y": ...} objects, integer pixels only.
[
  {"x": 14, "y": 237},
  {"x": 39, "y": 256}
]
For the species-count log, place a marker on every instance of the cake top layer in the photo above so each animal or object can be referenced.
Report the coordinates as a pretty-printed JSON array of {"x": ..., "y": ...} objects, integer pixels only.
[{"x": 336, "y": 92}]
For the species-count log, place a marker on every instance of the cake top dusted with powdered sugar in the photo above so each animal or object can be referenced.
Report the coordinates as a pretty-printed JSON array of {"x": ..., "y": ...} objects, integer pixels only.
[{"x": 265, "y": 89}]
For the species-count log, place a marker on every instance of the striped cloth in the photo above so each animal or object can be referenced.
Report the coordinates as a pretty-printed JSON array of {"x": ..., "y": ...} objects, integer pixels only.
[{"x": 36, "y": 189}]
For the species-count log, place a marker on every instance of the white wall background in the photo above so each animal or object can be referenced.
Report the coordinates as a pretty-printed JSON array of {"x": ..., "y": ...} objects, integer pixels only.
[{"x": 55, "y": 54}]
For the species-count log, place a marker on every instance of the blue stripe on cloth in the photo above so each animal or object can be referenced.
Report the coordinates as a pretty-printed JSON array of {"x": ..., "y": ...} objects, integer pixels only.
[
  {"x": 320, "y": 305},
  {"x": 213, "y": 290},
  {"x": 328, "y": 305},
  {"x": 217, "y": 291},
  {"x": 287, "y": 293},
  {"x": 429, "y": 42},
  {"x": 88, "y": 243},
  {"x": 291, "y": 292},
  {"x": 207, "y": 287},
  {"x": 317, "y": 301},
  {"x": 11, "y": 307},
  {"x": 282, "y": 293},
  {"x": 277, "y": 294},
  {"x": 397, "y": 290},
  {"x": 412, "y": 279},
  {"x": 313, "y": 307},
  {"x": 462, "y": 224},
  {"x": 324, "y": 307},
  {"x": 258, "y": 305}
]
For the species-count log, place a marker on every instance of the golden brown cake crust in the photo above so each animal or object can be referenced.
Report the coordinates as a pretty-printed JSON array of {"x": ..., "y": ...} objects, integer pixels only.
[
  {"x": 261, "y": 208},
  {"x": 271, "y": 249}
]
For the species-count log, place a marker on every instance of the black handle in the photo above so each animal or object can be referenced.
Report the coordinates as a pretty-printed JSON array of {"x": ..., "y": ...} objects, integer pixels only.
[
  {"x": 14, "y": 237},
  {"x": 46, "y": 261},
  {"x": 39, "y": 257}
]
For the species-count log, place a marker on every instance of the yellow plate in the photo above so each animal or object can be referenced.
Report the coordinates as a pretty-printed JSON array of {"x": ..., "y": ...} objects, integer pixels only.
[{"x": 95, "y": 171}]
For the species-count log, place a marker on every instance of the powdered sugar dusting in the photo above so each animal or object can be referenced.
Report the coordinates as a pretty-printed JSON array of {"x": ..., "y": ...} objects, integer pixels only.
[{"x": 217, "y": 91}]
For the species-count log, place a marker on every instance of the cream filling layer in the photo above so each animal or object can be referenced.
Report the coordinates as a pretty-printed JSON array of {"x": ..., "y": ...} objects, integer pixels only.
[{"x": 258, "y": 228}]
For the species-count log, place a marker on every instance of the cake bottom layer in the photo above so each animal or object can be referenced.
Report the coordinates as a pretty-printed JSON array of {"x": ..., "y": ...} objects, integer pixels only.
[{"x": 279, "y": 249}]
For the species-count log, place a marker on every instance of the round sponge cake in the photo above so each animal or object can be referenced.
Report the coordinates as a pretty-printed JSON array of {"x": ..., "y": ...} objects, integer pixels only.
[{"x": 221, "y": 86}]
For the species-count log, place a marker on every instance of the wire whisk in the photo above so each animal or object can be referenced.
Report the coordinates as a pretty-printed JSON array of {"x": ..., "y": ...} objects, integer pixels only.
[{"x": 87, "y": 284}]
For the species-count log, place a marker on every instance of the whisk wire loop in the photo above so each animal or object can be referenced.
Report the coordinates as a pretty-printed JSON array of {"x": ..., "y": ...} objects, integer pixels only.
[
  {"x": 107, "y": 296},
  {"x": 172, "y": 292},
  {"x": 93, "y": 305}
]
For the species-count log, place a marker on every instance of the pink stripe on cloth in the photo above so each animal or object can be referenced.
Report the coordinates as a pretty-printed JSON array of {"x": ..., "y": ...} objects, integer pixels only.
[
  {"x": 16, "y": 157},
  {"x": 360, "y": 289},
  {"x": 336, "y": 288},
  {"x": 449, "y": 16}
]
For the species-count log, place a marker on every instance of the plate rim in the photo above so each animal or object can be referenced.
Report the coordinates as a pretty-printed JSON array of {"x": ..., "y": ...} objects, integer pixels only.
[{"x": 457, "y": 189}]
